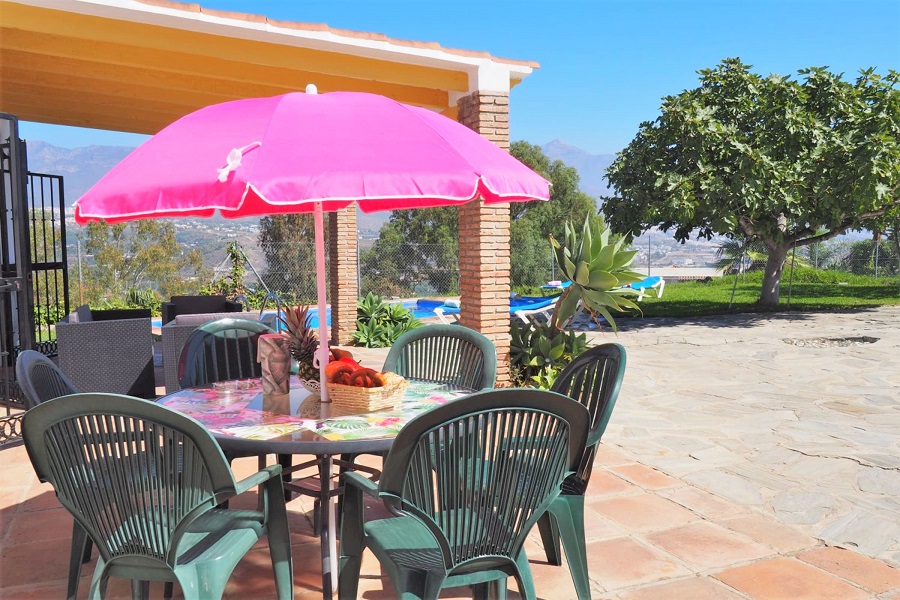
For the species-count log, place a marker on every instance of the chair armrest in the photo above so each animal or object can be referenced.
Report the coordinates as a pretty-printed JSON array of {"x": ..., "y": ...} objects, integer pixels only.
[
  {"x": 258, "y": 478},
  {"x": 365, "y": 485}
]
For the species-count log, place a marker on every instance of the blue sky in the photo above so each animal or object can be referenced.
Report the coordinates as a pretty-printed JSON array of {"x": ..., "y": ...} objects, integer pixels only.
[{"x": 605, "y": 64}]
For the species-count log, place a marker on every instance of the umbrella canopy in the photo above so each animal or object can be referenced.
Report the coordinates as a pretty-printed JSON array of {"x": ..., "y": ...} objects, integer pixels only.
[
  {"x": 283, "y": 154},
  {"x": 308, "y": 152}
]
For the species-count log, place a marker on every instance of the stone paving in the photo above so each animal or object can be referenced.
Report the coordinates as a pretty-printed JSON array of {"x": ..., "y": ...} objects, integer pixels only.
[{"x": 796, "y": 415}]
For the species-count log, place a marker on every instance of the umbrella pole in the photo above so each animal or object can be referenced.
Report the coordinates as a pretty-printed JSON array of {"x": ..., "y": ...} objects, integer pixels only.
[{"x": 320, "y": 287}]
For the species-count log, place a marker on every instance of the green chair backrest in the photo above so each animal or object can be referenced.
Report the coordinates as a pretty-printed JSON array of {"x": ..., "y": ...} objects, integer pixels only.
[
  {"x": 221, "y": 350},
  {"x": 133, "y": 473},
  {"x": 594, "y": 379},
  {"x": 40, "y": 379},
  {"x": 479, "y": 471},
  {"x": 445, "y": 354}
]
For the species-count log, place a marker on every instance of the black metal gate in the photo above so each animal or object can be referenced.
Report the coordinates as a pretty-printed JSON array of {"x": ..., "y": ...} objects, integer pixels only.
[
  {"x": 33, "y": 270},
  {"x": 49, "y": 266}
]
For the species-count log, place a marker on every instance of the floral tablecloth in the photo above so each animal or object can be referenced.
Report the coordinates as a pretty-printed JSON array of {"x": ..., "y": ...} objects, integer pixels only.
[{"x": 223, "y": 409}]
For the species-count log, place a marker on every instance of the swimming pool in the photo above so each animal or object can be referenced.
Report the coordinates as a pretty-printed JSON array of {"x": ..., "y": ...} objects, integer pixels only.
[{"x": 422, "y": 309}]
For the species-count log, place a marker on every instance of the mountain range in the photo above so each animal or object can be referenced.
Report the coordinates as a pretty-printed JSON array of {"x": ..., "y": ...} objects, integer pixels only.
[{"x": 84, "y": 166}]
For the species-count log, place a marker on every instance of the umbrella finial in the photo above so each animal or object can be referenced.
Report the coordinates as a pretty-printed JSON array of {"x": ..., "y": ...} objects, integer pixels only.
[{"x": 311, "y": 88}]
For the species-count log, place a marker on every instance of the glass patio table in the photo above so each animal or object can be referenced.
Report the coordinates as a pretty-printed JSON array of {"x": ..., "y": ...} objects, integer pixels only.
[{"x": 245, "y": 422}]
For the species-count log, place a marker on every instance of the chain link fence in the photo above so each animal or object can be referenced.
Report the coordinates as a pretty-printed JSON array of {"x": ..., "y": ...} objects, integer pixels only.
[
  {"x": 405, "y": 269},
  {"x": 863, "y": 257}
]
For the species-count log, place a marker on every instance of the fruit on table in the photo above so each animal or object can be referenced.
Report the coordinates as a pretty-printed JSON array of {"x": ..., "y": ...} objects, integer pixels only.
[
  {"x": 342, "y": 372},
  {"x": 363, "y": 377}
]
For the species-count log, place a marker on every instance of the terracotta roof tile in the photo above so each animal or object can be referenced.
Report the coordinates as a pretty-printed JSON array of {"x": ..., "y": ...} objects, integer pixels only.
[{"x": 321, "y": 27}]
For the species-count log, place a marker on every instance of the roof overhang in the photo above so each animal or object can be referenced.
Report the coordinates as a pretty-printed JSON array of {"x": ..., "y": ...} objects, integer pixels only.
[{"x": 136, "y": 66}]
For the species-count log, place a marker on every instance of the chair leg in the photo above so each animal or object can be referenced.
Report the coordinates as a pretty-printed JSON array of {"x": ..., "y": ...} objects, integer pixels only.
[
  {"x": 81, "y": 548},
  {"x": 280, "y": 541},
  {"x": 523, "y": 577},
  {"x": 140, "y": 590},
  {"x": 286, "y": 462},
  {"x": 549, "y": 530},
  {"x": 352, "y": 544},
  {"x": 569, "y": 513},
  {"x": 168, "y": 590}
]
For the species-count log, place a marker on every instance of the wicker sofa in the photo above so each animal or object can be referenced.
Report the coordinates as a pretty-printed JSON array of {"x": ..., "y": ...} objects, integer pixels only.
[
  {"x": 176, "y": 332},
  {"x": 108, "y": 351},
  {"x": 193, "y": 305}
]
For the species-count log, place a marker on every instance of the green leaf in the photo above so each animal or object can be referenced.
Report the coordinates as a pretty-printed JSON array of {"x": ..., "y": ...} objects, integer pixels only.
[
  {"x": 582, "y": 274},
  {"x": 602, "y": 280},
  {"x": 565, "y": 306},
  {"x": 623, "y": 258}
]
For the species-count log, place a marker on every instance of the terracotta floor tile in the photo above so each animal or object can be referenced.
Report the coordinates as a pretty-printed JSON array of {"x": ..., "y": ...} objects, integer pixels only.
[
  {"x": 13, "y": 475},
  {"x": 34, "y": 526},
  {"x": 608, "y": 454},
  {"x": 603, "y": 484},
  {"x": 788, "y": 579},
  {"x": 703, "y": 503},
  {"x": 9, "y": 498},
  {"x": 550, "y": 582},
  {"x": 645, "y": 476},
  {"x": 867, "y": 572},
  {"x": 47, "y": 560},
  {"x": 645, "y": 512},
  {"x": 624, "y": 562},
  {"x": 781, "y": 538},
  {"x": 34, "y": 592},
  {"x": 38, "y": 497},
  {"x": 707, "y": 546},
  {"x": 695, "y": 588},
  {"x": 598, "y": 527}
]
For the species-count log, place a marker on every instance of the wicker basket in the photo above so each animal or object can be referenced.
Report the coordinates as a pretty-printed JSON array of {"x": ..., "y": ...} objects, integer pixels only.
[{"x": 367, "y": 399}]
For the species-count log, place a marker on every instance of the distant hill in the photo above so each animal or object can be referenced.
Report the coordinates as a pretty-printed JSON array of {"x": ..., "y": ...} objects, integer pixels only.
[
  {"x": 591, "y": 167},
  {"x": 80, "y": 167}
]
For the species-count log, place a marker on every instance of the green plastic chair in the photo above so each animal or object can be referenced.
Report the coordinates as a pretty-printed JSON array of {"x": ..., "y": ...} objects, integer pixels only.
[
  {"x": 144, "y": 482},
  {"x": 445, "y": 354},
  {"x": 593, "y": 379},
  {"x": 41, "y": 380},
  {"x": 221, "y": 350},
  {"x": 465, "y": 482}
]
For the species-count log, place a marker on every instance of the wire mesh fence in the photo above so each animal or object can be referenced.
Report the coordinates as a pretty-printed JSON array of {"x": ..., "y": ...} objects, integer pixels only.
[{"x": 406, "y": 269}]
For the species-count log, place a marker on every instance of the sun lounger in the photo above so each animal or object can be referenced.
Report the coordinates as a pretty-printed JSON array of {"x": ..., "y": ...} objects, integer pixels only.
[
  {"x": 521, "y": 307},
  {"x": 554, "y": 286},
  {"x": 655, "y": 284}
]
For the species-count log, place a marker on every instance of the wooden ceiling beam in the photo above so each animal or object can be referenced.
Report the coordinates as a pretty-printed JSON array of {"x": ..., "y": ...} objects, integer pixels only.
[
  {"x": 210, "y": 75},
  {"x": 27, "y": 109},
  {"x": 92, "y": 29}
]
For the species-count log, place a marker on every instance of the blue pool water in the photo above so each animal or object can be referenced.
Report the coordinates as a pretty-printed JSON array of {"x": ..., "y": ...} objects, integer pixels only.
[{"x": 422, "y": 309}]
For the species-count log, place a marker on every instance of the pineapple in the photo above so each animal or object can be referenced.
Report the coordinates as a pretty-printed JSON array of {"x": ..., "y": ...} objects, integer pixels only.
[{"x": 302, "y": 340}]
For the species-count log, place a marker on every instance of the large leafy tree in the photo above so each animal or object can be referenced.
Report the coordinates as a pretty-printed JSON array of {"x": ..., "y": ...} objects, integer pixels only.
[
  {"x": 138, "y": 256},
  {"x": 288, "y": 243},
  {"x": 783, "y": 161},
  {"x": 413, "y": 245},
  {"x": 533, "y": 222}
]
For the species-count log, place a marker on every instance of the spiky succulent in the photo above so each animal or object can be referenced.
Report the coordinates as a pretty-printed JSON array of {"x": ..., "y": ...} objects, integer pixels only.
[{"x": 598, "y": 268}]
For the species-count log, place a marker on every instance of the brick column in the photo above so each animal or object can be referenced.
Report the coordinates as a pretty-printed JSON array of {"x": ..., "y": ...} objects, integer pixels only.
[
  {"x": 484, "y": 238},
  {"x": 342, "y": 268}
]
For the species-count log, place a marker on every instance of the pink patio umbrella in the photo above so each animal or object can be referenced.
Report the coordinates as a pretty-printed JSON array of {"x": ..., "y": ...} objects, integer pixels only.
[{"x": 308, "y": 152}]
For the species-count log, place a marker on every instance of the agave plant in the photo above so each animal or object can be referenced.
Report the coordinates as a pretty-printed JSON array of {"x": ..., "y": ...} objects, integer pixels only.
[{"x": 597, "y": 268}]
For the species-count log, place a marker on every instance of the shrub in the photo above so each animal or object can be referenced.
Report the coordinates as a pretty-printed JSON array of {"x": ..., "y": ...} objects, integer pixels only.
[{"x": 379, "y": 324}]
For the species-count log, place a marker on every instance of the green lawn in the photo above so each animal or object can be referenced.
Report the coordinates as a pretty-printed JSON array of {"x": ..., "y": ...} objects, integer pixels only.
[{"x": 810, "y": 291}]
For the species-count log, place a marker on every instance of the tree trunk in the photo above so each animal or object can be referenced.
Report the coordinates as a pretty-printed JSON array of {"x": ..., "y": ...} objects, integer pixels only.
[{"x": 771, "y": 286}]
